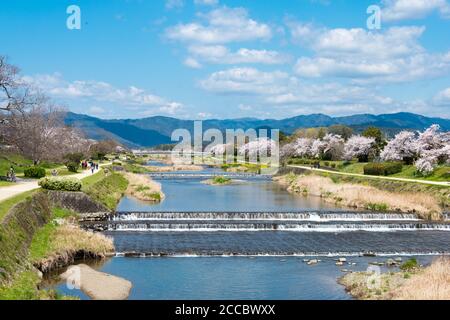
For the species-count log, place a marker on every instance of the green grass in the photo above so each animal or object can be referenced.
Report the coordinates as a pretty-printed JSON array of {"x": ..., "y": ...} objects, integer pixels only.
[
  {"x": 221, "y": 180},
  {"x": 135, "y": 168},
  {"x": 155, "y": 196},
  {"x": 7, "y": 204},
  {"x": 441, "y": 173},
  {"x": 109, "y": 190},
  {"x": 24, "y": 287},
  {"x": 18, "y": 162},
  {"x": 92, "y": 179},
  {"x": 41, "y": 244},
  {"x": 25, "y": 284},
  {"x": 6, "y": 184}
]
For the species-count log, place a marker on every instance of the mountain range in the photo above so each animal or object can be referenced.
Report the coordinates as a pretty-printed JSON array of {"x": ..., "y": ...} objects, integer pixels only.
[{"x": 154, "y": 131}]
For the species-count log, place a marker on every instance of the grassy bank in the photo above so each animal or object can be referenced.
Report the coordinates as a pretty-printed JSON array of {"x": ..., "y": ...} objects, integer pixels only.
[
  {"x": 362, "y": 196},
  {"x": 219, "y": 181},
  {"x": 410, "y": 283},
  {"x": 59, "y": 242},
  {"x": 143, "y": 188},
  {"x": 19, "y": 163},
  {"x": 7, "y": 204},
  {"x": 55, "y": 244},
  {"x": 107, "y": 189},
  {"x": 441, "y": 173},
  {"x": 440, "y": 193}
]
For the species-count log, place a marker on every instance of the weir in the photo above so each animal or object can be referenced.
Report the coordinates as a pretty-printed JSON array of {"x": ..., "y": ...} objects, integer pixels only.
[
  {"x": 273, "y": 216},
  {"x": 208, "y": 175},
  {"x": 304, "y": 221}
]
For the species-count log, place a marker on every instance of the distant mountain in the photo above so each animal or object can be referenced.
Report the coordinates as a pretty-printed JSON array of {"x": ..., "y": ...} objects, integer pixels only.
[{"x": 148, "y": 132}]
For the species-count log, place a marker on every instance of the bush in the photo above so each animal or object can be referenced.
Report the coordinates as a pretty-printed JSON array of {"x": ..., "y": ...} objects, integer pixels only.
[
  {"x": 73, "y": 166},
  {"x": 60, "y": 184},
  {"x": 409, "y": 265},
  {"x": 34, "y": 172},
  {"x": 383, "y": 169},
  {"x": 73, "y": 157}
]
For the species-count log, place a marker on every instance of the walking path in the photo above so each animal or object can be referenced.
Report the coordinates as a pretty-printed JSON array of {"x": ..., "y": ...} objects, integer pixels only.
[
  {"x": 436, "y": 183},
  {"x": 20, "y": 187}
]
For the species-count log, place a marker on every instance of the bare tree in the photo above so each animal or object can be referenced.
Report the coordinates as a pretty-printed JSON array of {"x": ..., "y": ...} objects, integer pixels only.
[{"x": 15, "y": 95}]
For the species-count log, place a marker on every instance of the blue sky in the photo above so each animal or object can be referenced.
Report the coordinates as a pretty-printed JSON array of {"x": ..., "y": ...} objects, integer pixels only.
[{"x": 229, "y": 59}]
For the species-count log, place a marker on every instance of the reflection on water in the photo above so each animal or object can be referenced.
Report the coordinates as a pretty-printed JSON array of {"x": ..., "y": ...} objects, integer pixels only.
[
  {"x": 251, "y": 195},
  {"x": 264, "y": 278}
]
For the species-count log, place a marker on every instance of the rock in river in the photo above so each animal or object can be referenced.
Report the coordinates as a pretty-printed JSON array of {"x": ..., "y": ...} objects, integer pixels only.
[{"x": 97, "y": 285}]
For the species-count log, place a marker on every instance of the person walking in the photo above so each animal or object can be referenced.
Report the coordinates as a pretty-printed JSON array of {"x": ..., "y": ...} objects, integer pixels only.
[{"x": 12, "y": 174}]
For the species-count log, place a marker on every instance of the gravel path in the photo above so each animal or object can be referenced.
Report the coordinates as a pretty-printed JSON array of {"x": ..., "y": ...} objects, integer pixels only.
[{"x": 20, "y": 187}]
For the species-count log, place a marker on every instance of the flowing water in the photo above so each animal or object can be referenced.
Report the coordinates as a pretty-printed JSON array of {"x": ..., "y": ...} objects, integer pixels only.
[{"x": 248, "y": 240}]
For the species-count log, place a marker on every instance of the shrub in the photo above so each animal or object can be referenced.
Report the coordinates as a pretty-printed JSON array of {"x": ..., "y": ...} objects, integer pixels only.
[
  {"x": 73, "y": 166},
  {"x": 221, "y": 180},
  {"x": 34, "y": 172},
  {"x": 60, "y": 184},
  {"x": 74, "y": 157},
  {"x": 409, "y": 265},
  {"x": 383, "y": 169},
  {"x": 327, "y": 164},
  {"x": 333, "y": 165}
]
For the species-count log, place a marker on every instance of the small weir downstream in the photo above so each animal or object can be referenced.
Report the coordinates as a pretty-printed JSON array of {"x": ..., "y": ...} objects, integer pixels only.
[{"x": 247, "y": 240}]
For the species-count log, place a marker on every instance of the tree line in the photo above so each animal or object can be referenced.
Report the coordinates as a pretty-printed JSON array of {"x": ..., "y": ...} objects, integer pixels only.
[{"x": 33, "y": 125}]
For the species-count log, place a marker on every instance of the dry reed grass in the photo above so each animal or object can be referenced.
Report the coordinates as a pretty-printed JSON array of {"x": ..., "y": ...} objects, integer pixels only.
[
  {"x": 70, "y": 242},
  {"x": 364, "y": 197},
  {"x": 433, "y": 283},
  {"x": 142, "y": 187}
]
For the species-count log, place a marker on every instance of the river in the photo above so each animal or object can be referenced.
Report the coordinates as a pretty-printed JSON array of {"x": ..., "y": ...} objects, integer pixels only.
[{"x": 248, "y": 240}]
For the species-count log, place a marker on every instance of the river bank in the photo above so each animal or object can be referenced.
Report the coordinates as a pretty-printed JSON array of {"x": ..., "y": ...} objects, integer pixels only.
[
  {"x": 41, "y": 234},
  {"x": 359, "y": 196},
  {"x": 143, "y": 188},
  {"x": 412, "y": 282}
]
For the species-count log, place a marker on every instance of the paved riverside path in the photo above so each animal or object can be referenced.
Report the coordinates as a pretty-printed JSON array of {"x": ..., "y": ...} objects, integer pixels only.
[
  {"x": 436, "y": 183},
  {"x": 20, "y": 187}
]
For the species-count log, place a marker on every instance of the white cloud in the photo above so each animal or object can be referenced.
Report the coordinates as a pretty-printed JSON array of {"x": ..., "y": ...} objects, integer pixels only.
[
  {"x": 222, "y": 55},
  {"x": 443, "y": 98},
  {"x": 174, "y": 4},
  {"x": 132, "y": 97},
  {"x": 96, "y": 110},
  {"x": 206, "y": 2},
  {"x": 223, "y": 25},
  {"x": 391, "y": 55},
  {"x": 192, "y": 63},
  {"x": 279, "y": 90},
  {"x": 358, "y": 42},
  {"x": 245, "y": 81},
  {"x": 396, "y": 10}
]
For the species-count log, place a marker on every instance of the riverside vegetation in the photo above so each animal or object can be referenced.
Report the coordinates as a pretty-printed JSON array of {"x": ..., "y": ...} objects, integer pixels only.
[
  {"x": 143, "y": 188},
  {"x": 38, "y": 236},
  {"x": 412, "y": 282},
  {"x": 363, "y": 196}
]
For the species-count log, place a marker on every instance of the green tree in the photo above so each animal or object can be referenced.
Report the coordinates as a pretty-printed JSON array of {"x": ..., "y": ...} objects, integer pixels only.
[
  {"x": 344, "y": 131},
  {"x": 378, "y": 135}
]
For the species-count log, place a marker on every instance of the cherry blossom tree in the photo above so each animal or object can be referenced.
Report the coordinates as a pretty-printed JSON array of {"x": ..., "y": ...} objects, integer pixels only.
[
  {"x": 433, "y": 148},
  {"x": 260, "y": 147},
  {"x": 402, "y": 148},
  {"x": 219, "y": 150},
  {"x": 331, "y": 147},
  {"x": 359, "y": 147}
]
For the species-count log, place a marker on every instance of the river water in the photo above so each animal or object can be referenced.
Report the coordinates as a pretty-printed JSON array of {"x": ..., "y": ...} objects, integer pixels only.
[{"x": 248, "y": 240}]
